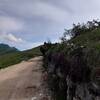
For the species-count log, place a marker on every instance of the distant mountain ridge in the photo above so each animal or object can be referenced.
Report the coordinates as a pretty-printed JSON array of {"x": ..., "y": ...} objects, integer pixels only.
[
  {"x": 5, "y": 49},
  {"x": 11, "y": 55}
]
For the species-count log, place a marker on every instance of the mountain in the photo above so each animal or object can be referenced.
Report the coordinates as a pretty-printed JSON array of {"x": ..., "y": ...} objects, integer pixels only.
[
  {"x": 10, "y": 55},
  {"x": 5, "y": 49}
]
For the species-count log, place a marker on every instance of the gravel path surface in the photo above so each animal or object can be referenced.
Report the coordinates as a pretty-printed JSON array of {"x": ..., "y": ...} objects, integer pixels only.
[{"x": 22, "y": 81}]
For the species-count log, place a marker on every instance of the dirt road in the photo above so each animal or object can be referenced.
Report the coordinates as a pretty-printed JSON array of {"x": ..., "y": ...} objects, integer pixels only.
[{"x": 22, "y": 81}]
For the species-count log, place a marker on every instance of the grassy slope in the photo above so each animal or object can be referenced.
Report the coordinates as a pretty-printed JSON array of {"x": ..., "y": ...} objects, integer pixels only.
[
  {"x": 91, "y": 41},
  {"x": 16, "y": 57}
]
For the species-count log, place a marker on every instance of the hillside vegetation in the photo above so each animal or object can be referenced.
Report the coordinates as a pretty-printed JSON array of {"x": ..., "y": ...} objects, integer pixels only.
[
  {"x": 5, "y": 49},
  {"x": 73, "y": 66},
  {"x": 10, "y": 56}
]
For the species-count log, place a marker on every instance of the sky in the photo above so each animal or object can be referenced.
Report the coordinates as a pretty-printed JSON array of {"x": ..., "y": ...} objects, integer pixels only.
[{"x": 25, "y": 24}]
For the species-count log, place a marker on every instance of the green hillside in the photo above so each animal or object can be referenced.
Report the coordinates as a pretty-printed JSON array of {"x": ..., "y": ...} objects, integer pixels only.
[
  {"x": 14, "y": 56},
  {"x": 5, "y": 49},
  {"x": 74, "y": 62},
  {"x": 91, "y": 43},
  {"x": 89, "y": 39}
]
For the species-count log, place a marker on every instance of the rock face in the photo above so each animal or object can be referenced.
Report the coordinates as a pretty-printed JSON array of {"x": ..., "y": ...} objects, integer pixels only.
[{"x": 82, "y": 91}]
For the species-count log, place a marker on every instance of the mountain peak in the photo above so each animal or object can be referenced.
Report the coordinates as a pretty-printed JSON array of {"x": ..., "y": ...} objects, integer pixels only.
[{"x": 4, "y": 49}]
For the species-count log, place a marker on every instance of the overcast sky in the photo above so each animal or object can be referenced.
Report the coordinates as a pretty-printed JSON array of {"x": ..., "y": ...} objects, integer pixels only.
[{"x": 28, "y": 23}]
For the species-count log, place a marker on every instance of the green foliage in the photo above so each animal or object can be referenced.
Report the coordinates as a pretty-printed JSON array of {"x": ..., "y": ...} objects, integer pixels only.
[
  {"x": 5, "y": 49},
  {"x": 76, "y": 58},
  {"x": 12, "y": 58}
]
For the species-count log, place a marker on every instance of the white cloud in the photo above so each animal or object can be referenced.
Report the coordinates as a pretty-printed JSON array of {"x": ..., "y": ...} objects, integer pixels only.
[
  {"x": 50, "y": 12},
  {"x": 17, "y": 42},
  {"x": 11, "y": 38},
  {"x": 43, "y": 17},
  {"x": 28, "y": 45},
  {"x": 36, "y": 8},
  {"x": 8, "y": 24},
  {"x": 53, "y": 10}
]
